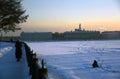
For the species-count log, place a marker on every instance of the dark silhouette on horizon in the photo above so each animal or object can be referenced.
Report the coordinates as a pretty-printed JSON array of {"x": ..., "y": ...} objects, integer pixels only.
[{"x": 77, "y": 34}]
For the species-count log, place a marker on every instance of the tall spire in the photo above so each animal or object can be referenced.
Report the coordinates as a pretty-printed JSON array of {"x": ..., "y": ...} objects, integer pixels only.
[{"x": 79, "y": 26}]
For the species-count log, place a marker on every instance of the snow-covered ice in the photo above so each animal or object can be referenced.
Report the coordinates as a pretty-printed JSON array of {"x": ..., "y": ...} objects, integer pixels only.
[
  {"x": 9, "y": 67},
  {"x": 73, "y": 59}
]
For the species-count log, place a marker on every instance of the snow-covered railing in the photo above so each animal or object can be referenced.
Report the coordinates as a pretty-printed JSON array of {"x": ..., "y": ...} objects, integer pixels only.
[{"x": 36, "y": 70}]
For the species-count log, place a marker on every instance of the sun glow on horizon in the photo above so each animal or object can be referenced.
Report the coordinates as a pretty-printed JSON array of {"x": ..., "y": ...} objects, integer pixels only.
[
  {"x": 68, "y": 25},
  {"x": 65, "y": 15}
]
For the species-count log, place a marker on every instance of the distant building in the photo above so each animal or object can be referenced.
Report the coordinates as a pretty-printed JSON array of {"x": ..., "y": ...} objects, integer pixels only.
[
  {"x": 36, "y": 36},
  {"x": 77, "y": 34},
  {"x": 79, "y": 29},
  {"x": 111, "y": 35},
  {"x": 80, "y": 34}
]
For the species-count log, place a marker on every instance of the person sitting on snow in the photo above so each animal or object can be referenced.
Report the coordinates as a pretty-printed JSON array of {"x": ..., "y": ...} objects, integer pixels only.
[{"x": 95, "y": 64}]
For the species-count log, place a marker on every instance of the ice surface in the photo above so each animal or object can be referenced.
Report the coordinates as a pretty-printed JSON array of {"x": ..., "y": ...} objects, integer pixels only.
[{"x": 73, "y": 59}]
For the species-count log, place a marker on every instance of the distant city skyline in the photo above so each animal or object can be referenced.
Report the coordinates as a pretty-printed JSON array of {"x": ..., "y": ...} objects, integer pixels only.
[{"x": 66, "y": 15}]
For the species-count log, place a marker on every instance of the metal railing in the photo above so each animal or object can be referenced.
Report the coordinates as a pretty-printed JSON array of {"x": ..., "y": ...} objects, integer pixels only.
[{"x": 36, "y": 70}]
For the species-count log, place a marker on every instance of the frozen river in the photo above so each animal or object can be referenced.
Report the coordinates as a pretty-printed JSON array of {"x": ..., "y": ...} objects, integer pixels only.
[{"x": 73, "y": 59}]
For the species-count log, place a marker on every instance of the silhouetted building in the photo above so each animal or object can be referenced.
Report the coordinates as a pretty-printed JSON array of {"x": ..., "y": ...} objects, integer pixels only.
[
  {"x": 111, "y": 35},
  {"x": 79, "y": 29},
  {"x": 77, "y": 34},
  {"x": 36, "y": 36},
  {"x": 80, "y": 34},
  {"x": 58, "y": 36}
]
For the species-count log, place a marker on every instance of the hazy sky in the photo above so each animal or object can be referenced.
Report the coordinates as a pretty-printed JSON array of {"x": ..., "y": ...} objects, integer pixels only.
[{"x": 65, "y": 15}]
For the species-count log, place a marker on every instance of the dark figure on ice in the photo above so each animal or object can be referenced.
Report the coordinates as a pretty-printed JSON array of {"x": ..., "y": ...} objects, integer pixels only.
[
  {"x": 95, "y": 64},
  {"x": 18, "y": 52}
]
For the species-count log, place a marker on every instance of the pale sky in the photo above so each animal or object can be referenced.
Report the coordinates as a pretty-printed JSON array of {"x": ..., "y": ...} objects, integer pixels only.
[{"x": 65, "y": 15}]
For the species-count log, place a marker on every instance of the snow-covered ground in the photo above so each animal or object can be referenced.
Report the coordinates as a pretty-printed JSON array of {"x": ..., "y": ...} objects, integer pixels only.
[
  {"x": 73, "y": 59},
  {"x": 9, "y": 67}
]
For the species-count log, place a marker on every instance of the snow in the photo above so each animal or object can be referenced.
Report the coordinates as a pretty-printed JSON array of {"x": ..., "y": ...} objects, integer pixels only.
[
  {"x": 9, "y": 67},
  {"x": 65, "y": 59},
  {"x": 4, "y": 49},
  {"x": 73, "y": 59}
]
